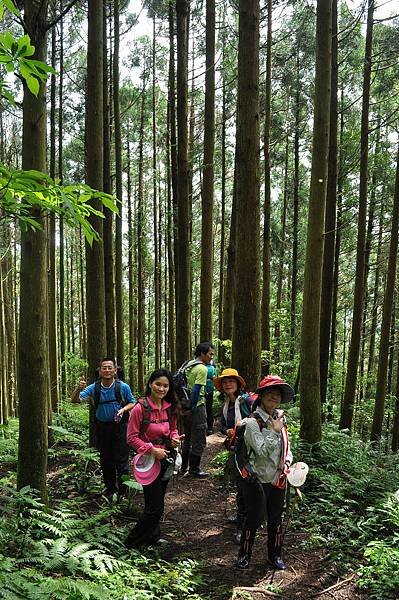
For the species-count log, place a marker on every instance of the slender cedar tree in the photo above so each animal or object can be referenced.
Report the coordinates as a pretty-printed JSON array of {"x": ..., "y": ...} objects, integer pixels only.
[
  {"x": 172, "y": 190},
  {"x": 141, "y": 244},
  {"x": 310, "y": 345},
  {"x": 208, "y": 178},
  {"x": 222, "y": 205},
  {"x": 95, "y": 281},
  {"x": 155, "y": 207},
  {"x": 331, "y": 216},
  {"x": 61, "y": 251},
  {"x": 295, "y": 215},
  {"x": 265, "y": 319},
  {"x": 378, "y": 415},
  {"x": 33, "y": 350},
  {"x": 4, "y": 395},
  {"x": 395, "y": 426},
  {"x": 246, "y": 330},
  {"x": 358, "y": 298},
  {"x": 52, "y": 284},
  {"x": 183, "y": 299},
  {"x": 120, "y": 351},
  {"x": 108, "y": 222}
]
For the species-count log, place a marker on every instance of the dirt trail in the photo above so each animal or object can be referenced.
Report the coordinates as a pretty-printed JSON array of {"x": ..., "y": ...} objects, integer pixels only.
[{"x": 195, "y": 519}]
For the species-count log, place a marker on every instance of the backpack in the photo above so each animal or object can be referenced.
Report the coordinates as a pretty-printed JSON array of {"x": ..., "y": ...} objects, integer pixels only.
[
  {"x": 241, "y": 453},
  {"x": 147, "y": 410},
  {"x": 180, "y": 383},
  {"x": 118, "y": 397}
]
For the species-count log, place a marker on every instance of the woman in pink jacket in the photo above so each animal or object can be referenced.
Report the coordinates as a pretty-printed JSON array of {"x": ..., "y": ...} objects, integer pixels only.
[{"x": 152, "y": 431}]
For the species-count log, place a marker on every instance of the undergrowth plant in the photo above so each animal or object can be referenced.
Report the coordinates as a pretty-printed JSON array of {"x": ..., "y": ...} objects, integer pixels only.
[
  {"x": 54, "y": 553},
  {"x": 348, "y": 507}
]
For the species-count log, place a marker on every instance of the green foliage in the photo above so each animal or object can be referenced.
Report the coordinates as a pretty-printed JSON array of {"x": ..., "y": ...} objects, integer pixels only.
[
  {"x": 54, "y": 553},
  {"x": 347, "y": 507},
  {"x": 20, "y": 191},
  {"x": 380, "y": 575},
  {"x": 15, "y": 56}
]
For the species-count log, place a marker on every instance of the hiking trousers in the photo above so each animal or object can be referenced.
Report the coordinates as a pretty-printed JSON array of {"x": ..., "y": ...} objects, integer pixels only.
[
  {"x": 195, "y": 431},
  {"x": 114, "y": 453},
  {"x": 262, "y": 501},
  {"x": 147, "y": 530}
]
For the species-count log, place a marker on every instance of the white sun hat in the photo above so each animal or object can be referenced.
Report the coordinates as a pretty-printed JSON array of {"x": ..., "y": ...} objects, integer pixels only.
[
  {"x": 296, "y": 474},
  {"x": 145, "y": 468}
]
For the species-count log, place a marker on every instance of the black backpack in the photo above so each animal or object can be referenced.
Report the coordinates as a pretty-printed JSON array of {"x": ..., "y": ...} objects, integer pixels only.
[
  {"x": 118, "y": 397},
  {"x": 180, "y": 382},
  {"x": 240, "y": 450}
]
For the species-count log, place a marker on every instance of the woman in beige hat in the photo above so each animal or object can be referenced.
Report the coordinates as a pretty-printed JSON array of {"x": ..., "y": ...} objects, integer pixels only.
[{"x": 236, "y": 406}]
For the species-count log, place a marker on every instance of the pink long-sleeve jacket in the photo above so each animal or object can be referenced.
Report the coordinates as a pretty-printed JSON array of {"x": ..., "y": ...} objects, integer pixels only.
[{"x": 158, "y": 428}]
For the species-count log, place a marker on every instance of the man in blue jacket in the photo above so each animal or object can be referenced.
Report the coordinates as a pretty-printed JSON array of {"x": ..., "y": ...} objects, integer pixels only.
[{"x": 112, "y": 399}]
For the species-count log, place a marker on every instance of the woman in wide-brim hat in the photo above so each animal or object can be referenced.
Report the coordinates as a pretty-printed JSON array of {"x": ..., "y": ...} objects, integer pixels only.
[
  {"x": 266, "y": 439},
  {"x": 236, "y": 405}
]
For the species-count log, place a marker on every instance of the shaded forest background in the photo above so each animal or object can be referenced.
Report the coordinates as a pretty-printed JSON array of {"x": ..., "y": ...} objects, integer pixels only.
[{"x": 257, "y": 186}]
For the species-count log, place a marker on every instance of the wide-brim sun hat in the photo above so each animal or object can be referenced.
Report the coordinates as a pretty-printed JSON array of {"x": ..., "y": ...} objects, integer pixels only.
[
  {"x": 217, "y": 381},
  {"x": 146, "y": 468},
  {"x": 287, "y": 392},
  {"x": 296, "y": 474}
]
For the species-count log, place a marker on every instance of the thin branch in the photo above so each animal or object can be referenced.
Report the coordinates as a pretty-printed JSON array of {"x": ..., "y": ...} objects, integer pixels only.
[{"x": 51, "y": 24}]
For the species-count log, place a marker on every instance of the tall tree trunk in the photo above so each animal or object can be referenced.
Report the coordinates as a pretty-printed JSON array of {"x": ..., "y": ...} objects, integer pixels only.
[
  {"x": 140, "y": 249},
  {"x": 295, "y": 216},
  {"x": 222, "y": 214},
  {"x": 33, "y": 349},
  {"x": 354, "y": 347},
  {"x": 183, "y": 299},
  {"x": 378, "y": 415},
  {"x": 108, "y": 223},
  {"x": 265, "y": 312},
  {"x": 52, "y": 285},
  {"x": 310, "y": 430},
  {"x": 61, "y": 220},
  {"x": 131, "y": 287},
  {"x": 171, "y": 331},
  {"x": 208, "y": 178},
  {"x": 246, "y": 330},
  {"x": 95, "y": 281},
  {"x": 280, "y": 277},
  {"x": 331, "y": 217},
  {"x": 155, "y": 208},
  {"x": 120, "y": 350}
]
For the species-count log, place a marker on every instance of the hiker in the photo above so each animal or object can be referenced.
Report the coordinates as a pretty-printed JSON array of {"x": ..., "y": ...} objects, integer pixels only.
[
  {"x": 209, "y": 389},
  {"x": 113, "y": 399},
  {"x": 152, "y": 432},
  {"x": 236, "y": 405},
  {"x": 266, "y": 439},
  {"x": 194, "y": 419}
]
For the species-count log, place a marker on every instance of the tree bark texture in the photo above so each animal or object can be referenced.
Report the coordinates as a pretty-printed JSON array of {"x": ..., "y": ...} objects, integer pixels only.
[
  {"x": 183, "y": 299},
  {"x": 378, "y": 415},
  {"x": 32, "y": 347},
  {"x": 246, "y": 329},
  {"x": 358, "y": 298},
  {"x": 208, "y": 178},
  {"x": 310, "y": 430}
]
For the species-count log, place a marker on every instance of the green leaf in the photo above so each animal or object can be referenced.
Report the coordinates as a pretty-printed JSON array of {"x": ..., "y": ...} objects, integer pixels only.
[{"x": 11, "y": 7}]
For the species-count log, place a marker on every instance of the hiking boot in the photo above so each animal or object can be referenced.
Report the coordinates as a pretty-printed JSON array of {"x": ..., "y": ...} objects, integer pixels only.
[
  {"x": 198, "y": 474},
  {"x": 277, "y": 563},
  {"x": 243, "y": 561},
  {"x": 194, "y": 468}
]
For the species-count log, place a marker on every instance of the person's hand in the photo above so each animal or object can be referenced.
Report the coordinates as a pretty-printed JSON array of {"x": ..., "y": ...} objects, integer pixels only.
[
  {"x": 277, "y": 423},
  {"x": 159, "y": 453},
  {"x": 82, "y": 383},
  {"x": 229, "y": 433},
  {"x": 176, "y": 440}
]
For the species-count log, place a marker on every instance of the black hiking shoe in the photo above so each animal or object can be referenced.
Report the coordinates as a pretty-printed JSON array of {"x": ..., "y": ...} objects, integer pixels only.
[
  {"x": 243, "y": 561},
  {"x": 277, "y": 563}
]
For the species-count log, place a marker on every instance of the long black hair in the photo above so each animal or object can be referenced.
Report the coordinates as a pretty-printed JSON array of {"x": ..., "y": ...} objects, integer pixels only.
[{"x": 171, "y": 395}]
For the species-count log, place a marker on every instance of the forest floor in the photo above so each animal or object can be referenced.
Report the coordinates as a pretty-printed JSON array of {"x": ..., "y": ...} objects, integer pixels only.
[{"x": 195, "y": 522}]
